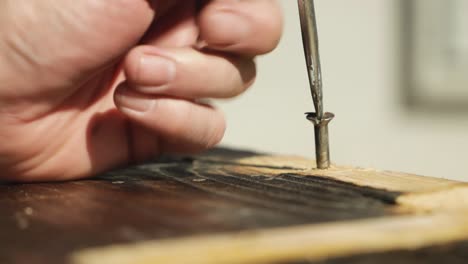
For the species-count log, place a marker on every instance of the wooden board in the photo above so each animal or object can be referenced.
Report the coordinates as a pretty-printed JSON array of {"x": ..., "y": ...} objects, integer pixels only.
[{"x": 231, "y": 206}]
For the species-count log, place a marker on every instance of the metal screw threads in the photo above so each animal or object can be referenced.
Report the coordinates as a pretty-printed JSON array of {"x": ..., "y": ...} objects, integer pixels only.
[{"x": 322, "y": 146}]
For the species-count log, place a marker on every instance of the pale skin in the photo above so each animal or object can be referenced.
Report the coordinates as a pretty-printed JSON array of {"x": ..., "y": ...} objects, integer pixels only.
[{"x": 90, "y": 85}]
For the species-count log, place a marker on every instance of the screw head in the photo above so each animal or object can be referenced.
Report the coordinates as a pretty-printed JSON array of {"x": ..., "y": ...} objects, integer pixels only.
[{"x": 327, "y": 117}]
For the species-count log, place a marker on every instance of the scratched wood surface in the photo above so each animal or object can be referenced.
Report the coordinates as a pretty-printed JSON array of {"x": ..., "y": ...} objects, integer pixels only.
[{"x": 224, "y": 201}]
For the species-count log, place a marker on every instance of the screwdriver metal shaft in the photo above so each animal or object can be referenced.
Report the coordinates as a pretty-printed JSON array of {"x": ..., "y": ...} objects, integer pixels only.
[{"x": 311, "y": 50}]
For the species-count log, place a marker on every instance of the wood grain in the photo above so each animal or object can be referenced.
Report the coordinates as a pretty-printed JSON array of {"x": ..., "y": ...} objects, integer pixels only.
[
  {"x": 273, "y": 165},
  {"x": 228, "y": 202},
  {"x": 314, "y": 242}
]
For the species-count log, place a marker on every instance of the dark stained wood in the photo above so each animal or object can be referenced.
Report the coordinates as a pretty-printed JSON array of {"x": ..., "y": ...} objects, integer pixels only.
[{"x": 43, "y": 223}]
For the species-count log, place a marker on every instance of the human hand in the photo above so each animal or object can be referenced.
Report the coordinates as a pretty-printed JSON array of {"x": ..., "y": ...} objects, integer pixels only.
[{"x": 87, "y": 85}]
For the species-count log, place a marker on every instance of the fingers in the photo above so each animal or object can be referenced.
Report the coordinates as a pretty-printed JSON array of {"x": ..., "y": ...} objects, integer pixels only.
[
  {"x": 187, "y": 73},
  {"x": 161, "y": 82},
  {"x": 184, "y": 126},
  {"x": 246, "y": 27},
  {"x": 177, "y": 28}
]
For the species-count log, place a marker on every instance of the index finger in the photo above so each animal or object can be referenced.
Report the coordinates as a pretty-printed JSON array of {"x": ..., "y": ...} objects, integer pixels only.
[{"x": 251, "y": 27}]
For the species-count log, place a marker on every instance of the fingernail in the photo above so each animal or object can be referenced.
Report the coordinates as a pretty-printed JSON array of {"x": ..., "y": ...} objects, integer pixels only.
[
  {"x": 156, "y": 71},
  {"x": 129, "y": 100},
  {"x": 233, "y": 25}
]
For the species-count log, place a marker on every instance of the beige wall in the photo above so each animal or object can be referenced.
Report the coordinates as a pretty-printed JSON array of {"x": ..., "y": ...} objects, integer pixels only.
[{"x": 359, "y": 50}]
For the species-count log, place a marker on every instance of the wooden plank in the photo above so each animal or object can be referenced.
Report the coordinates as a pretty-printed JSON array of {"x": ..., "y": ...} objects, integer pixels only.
[
  {"x": 221, "y": 192},
  {"x": 314, "y": 242},
  {"x": 169, "y": 200}
]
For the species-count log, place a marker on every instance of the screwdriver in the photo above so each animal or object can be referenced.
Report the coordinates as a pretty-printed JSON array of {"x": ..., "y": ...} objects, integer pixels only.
[{"x": 312, "y": 57}]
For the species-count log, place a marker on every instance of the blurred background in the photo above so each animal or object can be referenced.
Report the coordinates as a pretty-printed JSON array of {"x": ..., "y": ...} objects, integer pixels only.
[{"x": 395, "y": 74}]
